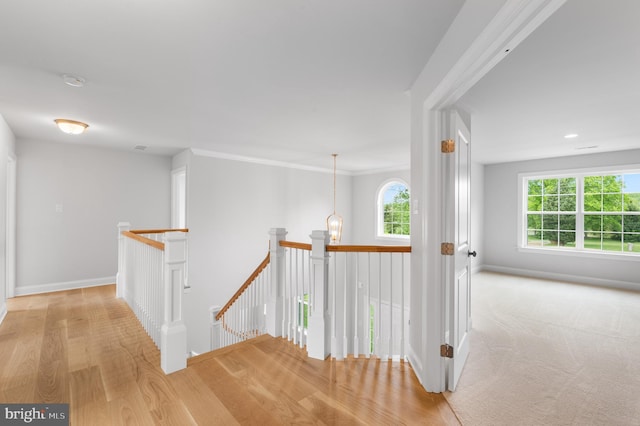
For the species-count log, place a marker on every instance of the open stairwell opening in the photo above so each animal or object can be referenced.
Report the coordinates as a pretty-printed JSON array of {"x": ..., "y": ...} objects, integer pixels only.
[{"x": 333, "y": 300}]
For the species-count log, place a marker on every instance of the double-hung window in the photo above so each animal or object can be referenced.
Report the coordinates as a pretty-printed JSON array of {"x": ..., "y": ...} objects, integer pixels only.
[{"x": 582, "y": 211}]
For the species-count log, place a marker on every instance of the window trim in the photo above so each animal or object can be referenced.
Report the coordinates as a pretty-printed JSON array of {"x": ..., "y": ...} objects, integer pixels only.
[
  {"x": 379, "y": 215},
  {"x": 579, "y": 175}
]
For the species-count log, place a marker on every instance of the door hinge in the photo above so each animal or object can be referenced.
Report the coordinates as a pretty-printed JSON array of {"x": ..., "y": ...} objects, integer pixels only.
[
  {"x": 448, "y": 146},
  {"x": 446, "y": 351},
  {"x": 446, "y": 249}
]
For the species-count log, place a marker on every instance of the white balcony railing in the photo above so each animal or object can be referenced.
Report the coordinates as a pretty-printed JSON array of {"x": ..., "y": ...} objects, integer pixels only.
[{"x": 151, "y": 278}]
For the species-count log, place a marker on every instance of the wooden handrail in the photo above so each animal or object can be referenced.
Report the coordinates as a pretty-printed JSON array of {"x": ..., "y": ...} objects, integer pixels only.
[
  {"x": 292, "y": 244},
  {"x": 157, "y": 231},
  {"x": 370, "y": 249},
  {"x": 350, "y": 248},
  {"x": 135, "y": 235},
  {"x": 244, "y": 286},
  {"x": 144, "y": 240}
]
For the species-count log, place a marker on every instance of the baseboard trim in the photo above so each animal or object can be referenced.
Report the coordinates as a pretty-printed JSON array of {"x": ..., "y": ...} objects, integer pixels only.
[
  {"x": 577, "y": 279},
  {"x": 477, "y": 268},
  {"x": 416, "y": 364},
  {"x": 67, "y": 285}
]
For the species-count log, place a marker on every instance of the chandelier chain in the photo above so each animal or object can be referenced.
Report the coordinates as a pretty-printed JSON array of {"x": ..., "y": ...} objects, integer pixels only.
[{"x": 334, "y": 182}]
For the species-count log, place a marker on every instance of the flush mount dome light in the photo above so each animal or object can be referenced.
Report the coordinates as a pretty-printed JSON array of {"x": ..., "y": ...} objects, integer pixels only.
[
  {"x": 571, "y": 136},
  {"x": 71, "y": 127},
  {"x": 73, "y": 80}
]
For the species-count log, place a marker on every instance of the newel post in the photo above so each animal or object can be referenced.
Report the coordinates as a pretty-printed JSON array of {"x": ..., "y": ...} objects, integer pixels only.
[
  {"x": 319, "y": 328},
  {"x": 275, "y": 324},
  {"x": 216, "y": 328},
  {"x": 173, "y": 338},
  {"x": 121, "y": 276}
]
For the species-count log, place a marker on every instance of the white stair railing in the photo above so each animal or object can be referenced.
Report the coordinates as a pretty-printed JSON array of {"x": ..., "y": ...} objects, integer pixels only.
[
  {"x": 244, "y": 316},
  {"x": 338, "y": 300},
  {"x": 151, "y": 278},
  {"x": 369, "y": 287},
  {"x": 345, "y": 299},
  {"x": 297, "y": 283}
]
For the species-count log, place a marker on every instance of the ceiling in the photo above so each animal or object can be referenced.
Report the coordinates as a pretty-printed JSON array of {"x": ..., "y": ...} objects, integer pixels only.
[
  {"x": 577, "y": 73},
  {"x": 287, "y": 80},
  {"x": 296, "y": 80}
]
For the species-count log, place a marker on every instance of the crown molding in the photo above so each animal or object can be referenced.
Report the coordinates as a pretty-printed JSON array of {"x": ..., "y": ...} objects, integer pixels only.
[{"x": 265, "y": 162}]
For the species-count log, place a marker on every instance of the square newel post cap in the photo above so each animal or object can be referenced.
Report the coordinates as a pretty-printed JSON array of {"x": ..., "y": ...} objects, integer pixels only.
[
  {"x": 320, "y": 235},
  {"x": 279, "y": 232},
  {"x": 275, "y": 236},
  {"x": 319, "y": 242}
]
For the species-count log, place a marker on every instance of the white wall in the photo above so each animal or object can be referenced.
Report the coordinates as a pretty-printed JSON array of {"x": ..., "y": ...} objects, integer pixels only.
[
  {"x": 501, "y": 209},
  {"x": 96, "y": 188},
  {"x": 365, "y": 192},
  {"x": 7, "y": 147},
  {"x": 231, "y": 206}
]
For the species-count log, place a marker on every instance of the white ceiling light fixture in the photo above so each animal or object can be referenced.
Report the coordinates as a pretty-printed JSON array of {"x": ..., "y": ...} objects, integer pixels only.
[
  {"x": 71, "y": 127},
  {"x": 571, "y": 136},
  {"x": 73, "y": 80}
]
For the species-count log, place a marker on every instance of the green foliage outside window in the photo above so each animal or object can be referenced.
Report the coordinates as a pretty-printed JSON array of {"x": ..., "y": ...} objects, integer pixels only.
[
  {"x": 606, "y": 200},
  {"x": 396, "y": 210},
  {"x": 551, "y": 205},
  {"x": 610, "y": 212}
]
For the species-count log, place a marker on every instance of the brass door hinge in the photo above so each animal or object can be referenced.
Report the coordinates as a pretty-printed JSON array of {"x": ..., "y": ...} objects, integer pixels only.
[
  {"x": 446, "y": 249},
  {"x": 448, "y": 146},
  {"x": 446, "y": 351}
]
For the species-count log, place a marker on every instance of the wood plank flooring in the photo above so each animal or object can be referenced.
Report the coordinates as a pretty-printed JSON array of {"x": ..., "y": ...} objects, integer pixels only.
[{"x": 85, "y": 347}]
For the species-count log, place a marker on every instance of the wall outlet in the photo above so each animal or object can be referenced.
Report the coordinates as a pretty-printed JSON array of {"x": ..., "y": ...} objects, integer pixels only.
[{"x": 58, "y": 208}]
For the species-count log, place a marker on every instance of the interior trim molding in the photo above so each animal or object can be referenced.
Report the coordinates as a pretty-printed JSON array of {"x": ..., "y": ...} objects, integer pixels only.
[
  {"x": 414, "y": 360},
  {"x": 3, "y": 311},
  {"x": 576, "y": 279},
  {"x": 263, "y": 161},
  {"x": 61, "y": 286}
]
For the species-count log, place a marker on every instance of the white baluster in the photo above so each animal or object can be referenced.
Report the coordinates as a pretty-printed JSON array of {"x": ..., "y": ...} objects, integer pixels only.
[
  {"x": 367, "y": 310},
  {"x": 356, "y": 295},
  {"x": 402, "y": 325},
  {"x": 345, "y": 334},
  {"x": 334, "y": 341},
  {"x": 300, "y": 297},
  {"x": 289, "y": 300},
  {"x": 378, "y": 348},
  {"x": 295, "y": 306},
  {"x": 390, "y": 355}
]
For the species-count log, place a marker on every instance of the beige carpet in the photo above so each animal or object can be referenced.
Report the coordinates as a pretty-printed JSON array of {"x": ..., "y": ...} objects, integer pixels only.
[{"x": 550, "y": 353}]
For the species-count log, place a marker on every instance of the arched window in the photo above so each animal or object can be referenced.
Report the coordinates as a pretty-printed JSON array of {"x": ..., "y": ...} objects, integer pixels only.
[{"x": 394, "y": 213}]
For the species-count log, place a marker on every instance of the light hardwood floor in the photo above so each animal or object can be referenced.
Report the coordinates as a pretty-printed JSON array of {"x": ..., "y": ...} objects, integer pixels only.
[{"x": 85, "y": 347}]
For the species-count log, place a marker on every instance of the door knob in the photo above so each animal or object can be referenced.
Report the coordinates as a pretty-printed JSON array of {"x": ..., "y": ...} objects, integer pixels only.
[{"x": 471, "y": 253}]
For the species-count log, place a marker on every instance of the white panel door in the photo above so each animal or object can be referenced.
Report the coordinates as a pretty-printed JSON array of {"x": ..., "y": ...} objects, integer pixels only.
[{"x": 457, "y": 169}]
